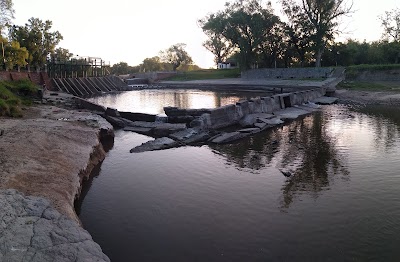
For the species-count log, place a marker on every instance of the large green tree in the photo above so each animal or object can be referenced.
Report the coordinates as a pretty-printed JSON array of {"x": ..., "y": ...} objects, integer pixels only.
[
  {"x": 176, "y": 55},
  {"x": 213, "y": 26},
  {"x": 36, "y": 36},
  {"x": 247, "y": 26},
  {"x": 322, "y": 19},
  {"x": 151, "y": 64}
]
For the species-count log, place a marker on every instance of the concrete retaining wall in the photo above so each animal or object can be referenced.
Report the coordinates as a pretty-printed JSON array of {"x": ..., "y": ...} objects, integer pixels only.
[
  {"x": 287, "y": 73},
  {"x": 376, "y": 75},
  {"x": 231, "y": 114}
]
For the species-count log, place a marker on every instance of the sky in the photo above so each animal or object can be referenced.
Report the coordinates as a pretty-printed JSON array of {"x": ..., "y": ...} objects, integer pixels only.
[{"x": 130, "y": 30}]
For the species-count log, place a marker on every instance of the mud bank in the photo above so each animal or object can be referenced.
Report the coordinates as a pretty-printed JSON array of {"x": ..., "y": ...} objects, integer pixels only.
[{"x": 47, "y": 154}]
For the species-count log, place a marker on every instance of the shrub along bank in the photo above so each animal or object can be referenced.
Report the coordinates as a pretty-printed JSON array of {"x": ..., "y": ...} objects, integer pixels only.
[{"x": 15, "y": 94}]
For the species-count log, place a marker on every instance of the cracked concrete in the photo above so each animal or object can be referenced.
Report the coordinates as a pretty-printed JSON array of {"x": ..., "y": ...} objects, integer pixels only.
[{"x": 32, "y": 230}]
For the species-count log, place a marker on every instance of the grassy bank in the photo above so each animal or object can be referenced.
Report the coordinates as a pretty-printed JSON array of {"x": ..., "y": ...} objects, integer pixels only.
[
  {"x": 205, "y": 74},
  {"x": 13, "y": 95},
  {"x": 370, "y": 86}
]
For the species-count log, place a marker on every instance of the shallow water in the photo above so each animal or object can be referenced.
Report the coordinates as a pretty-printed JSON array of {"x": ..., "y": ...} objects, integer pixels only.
[{"x": 231, "y": 202}]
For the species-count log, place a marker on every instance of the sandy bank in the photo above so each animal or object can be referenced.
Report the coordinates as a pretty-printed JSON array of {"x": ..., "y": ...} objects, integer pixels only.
[{"x": 368, "y": 97}]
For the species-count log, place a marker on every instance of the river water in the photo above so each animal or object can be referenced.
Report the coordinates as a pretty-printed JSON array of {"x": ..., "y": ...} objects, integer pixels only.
[{"x": 231, "y": 202}]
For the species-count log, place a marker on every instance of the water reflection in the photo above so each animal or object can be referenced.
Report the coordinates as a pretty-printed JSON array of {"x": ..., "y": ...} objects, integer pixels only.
[
  {"x": 153, "y": 101},
  {"x": 386, "y": 123},
  {"x": 304, "y": 147}
]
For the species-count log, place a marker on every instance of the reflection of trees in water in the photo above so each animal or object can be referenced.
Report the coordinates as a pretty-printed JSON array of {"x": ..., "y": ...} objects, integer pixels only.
[
  {"x": 304, "y": 147},
  {"x": 385, "y": 121}
]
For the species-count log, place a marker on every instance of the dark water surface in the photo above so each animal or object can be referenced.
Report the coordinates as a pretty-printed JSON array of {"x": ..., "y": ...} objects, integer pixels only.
[{"x": 231, "y": 202}]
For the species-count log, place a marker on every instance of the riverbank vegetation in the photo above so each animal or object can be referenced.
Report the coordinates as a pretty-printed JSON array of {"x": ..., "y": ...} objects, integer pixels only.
[{"x": 14, "y": 95}]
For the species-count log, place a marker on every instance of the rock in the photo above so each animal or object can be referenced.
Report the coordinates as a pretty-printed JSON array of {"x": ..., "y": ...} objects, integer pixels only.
[
  {"x": 157, "y": 144},
  {"x": 32, "y": 230},
  {"x": 325, "y": 100},
  {"x": 112, "y": 112}
]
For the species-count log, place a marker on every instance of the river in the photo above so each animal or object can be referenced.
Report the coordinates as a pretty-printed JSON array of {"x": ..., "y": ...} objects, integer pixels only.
[{"x": 232, "y": 203}]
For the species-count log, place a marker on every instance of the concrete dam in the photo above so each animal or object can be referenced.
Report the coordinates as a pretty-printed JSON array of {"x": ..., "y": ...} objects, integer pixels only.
[{"x": 88, "y": 86}]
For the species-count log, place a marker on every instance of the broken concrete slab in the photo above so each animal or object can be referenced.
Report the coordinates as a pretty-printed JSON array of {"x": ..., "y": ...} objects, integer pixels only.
[
  {"x": 272, "y": 121},
  {"x": 325, "y": 100},
  {"x": 198, "y": 138},
  {"x": 157, "y": 144},
  {"x": 184, "y": 134},
  {"x": 139, "y": 130},
  {"x": 116, "y": 122},
  {"x": 229, "y": 137},
  {"x": 165, "y": 129},
  {"x": 251, "y": 119},
  {"x": 261, "y": 126},
  {"x": 291, "y": 113},
  {"x": 250, "y": 130},
  {"x": 307, "y": 108},
  {"x": 112, "y": 112}
]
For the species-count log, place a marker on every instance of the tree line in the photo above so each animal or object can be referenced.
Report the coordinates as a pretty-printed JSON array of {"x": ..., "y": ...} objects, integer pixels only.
[
  {"x": 174, "y": 58},
  {"x": 250, "y": 33},
  {"x": 30, "y": 45}
]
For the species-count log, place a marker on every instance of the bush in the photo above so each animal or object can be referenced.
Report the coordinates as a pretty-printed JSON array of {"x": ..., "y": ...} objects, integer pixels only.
[
  {"x": 4, "y": 108},
  {"x": 15, "y": 111}
]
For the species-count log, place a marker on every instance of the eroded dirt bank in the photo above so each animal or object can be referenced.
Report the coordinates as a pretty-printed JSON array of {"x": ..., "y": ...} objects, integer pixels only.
[
  {"x": 368, "y": 97},
  {"x": 49, "y": 151}
]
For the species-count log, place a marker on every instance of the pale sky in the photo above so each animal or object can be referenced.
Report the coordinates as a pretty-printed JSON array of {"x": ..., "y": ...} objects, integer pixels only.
[{"x": 130, "y": 30}]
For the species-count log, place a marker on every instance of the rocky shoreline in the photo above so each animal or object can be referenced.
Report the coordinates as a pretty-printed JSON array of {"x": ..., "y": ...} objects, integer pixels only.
[{"x": 45, "y": 156}]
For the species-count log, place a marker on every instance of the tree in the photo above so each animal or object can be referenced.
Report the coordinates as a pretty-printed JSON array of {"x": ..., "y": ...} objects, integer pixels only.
[
  {"x": 37, "y": 38},
  {"x": 176, "y": 55},
  {"x": 246, "y": 25},
  {"x": 151, "y": 64},
  {"x": 61, "y": 54},
  {"x": 391, "y": 25},
  {"x": 217, "y": 44},
  {"x": 6, "y": 13},
  {"x": 121, "y": 68},
  {"x": 15, "y": 55},
  {"x": 322, "y": 17},
  {"x": 298, "y": 29}
]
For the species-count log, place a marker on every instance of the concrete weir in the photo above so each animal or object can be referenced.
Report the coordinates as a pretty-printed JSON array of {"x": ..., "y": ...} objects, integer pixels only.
[
  {"x": 88, "y": 86},
  {"x": 193, "y": 126}
]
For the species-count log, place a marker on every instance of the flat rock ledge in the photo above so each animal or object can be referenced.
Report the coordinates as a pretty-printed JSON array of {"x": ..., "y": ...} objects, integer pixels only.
[{"x": 32, "y": 230}]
